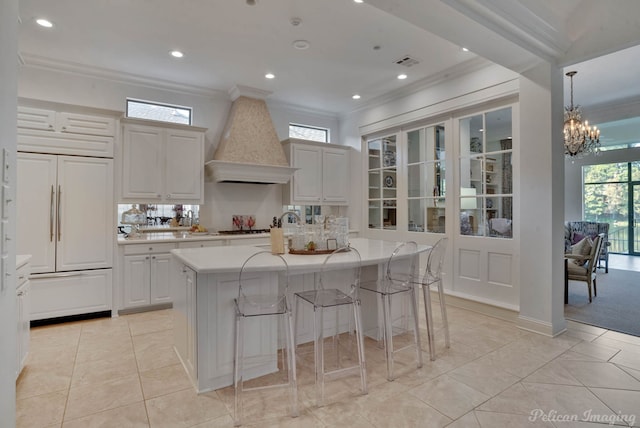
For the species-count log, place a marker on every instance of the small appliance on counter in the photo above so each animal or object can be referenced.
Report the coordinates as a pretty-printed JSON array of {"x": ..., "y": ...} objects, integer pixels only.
[{"x": 135, "y": 218}]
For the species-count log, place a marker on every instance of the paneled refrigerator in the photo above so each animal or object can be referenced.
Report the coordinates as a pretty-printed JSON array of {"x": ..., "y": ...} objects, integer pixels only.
[{"x": 65, "y": 221}]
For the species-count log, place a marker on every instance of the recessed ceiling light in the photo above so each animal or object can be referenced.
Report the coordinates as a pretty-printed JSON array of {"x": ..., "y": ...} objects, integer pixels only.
[
  {"x": 301, "y": 44},
  {"x": 177, "y": 54},
  {"x": 402, "y": 76},
  {"x": 465, "y": 49},
  {"x": 44, "y": 23},
  {"x": 270, "y": 76},
  {"x": 356, "y": 97},
  {"x": 358, "y": 1}
]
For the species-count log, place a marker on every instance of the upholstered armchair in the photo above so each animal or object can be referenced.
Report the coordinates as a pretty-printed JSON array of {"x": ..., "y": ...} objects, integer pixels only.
[
  {"x": 581, "y": 266},
  {"x": 574, "y": 231}
]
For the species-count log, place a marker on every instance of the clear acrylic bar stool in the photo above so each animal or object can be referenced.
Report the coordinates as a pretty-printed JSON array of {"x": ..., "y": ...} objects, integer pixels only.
[
  {"x": 399, "y": 280},
  {"x": 340, "y": 267},
  {"x": 433, "y": 275},
  {"x": 253, "y": 302}
]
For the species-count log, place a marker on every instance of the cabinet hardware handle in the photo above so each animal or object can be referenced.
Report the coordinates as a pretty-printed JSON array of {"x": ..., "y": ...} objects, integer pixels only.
[
  {"x": 184, "y": 269},
  {"x": 21, "y": 277},
  {"x": 154, "y": 257},
  {"x": 150, "y": 248},
  {"x": 51, "y": 215},
  {"x": 59, "y": 225},
  {"x": 146, "y": 258},
  {"x": 50, "y": 126},
  {"x": 64, "y": 128},
  {"x": 20, "y": 293}
]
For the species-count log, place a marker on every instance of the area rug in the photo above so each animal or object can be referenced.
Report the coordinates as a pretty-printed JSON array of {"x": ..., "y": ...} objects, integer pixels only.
[{"x": 616, "y": 307}]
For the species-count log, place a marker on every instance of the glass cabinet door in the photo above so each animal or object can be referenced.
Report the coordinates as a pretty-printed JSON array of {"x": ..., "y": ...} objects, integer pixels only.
[
  {"x": 382, "y": 173},
  {"x": 486, "y": 174},
  {"x": 426, "y": 186}
]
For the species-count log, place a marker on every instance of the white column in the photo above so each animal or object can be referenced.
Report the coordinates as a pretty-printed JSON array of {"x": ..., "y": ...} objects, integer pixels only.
[
  {"x": 8, "y": 112},
  {"x": 541, "y": 164}
]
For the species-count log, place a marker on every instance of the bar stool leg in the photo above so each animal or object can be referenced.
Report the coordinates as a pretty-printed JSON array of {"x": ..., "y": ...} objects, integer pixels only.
[
  {"x": 388, "y": 333},
  {"x": 429, "y": 316},
  {"x": 363, "y": 365},
  {"x": 291, "y": 358},
  {"x": 416, "y": 326},
  {"x": 318, "y": 330},
  {"x": 443, "y": 310},
  {"x": 238, "y": 372}
]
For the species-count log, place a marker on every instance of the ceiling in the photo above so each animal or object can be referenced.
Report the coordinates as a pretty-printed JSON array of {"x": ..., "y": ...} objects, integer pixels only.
[{"x": 353, "y": 47}]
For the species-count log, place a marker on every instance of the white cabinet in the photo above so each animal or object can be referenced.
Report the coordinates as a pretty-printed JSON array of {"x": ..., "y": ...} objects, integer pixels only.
[
  {"x": 145, "y": 271},
  {"x": 323, "y": 175},
  {"x": 65, "y": 212},
  {"x": 23, "y": 316},
  {"x": 73, "y": 123},
  {"x": 162, "y": 164}
]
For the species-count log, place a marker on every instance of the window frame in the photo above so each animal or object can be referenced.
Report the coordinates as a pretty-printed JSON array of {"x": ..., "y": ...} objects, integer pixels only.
[
  {"x": 158, "y": 104},
  {"x": 316, "y": 128}
]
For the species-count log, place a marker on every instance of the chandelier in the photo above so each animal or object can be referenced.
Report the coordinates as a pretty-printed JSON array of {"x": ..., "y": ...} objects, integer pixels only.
[{"x": 580, "y": 139}]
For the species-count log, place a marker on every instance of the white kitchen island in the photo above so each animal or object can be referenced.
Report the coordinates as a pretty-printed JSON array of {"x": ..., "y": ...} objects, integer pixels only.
[{"x": 204, "y": 283}]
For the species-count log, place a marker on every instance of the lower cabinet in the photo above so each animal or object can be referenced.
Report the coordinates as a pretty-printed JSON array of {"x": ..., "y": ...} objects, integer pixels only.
[
  {"x": 146, "y": 275},
  {"x": 23, "y": 321}
]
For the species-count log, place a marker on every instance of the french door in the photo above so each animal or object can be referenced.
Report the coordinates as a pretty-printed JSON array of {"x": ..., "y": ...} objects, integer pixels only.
[{"x": 634, "y": 220}]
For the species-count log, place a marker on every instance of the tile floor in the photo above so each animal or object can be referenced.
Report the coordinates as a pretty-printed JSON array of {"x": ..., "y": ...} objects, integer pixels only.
[{"x": 122, "y": 372}]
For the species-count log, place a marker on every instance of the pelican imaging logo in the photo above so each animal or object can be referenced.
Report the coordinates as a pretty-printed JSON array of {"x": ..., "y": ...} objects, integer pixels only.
[{"x": 586, "y": 416}]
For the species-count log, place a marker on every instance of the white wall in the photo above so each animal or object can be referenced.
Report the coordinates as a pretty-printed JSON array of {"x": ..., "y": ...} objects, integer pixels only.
[
  {"x": 210, "y": 110},
  {"x": 8, "y": 91}
]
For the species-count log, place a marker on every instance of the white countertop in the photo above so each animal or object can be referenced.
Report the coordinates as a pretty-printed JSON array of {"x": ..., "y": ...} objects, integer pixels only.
[
  {"x": 22, "y": 259},
  {"x": 230, "y": 259},
  {"x": 182, "y": 236}
]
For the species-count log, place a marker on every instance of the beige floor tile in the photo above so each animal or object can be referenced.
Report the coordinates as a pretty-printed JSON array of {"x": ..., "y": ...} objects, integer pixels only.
[
  {"x": 156, "y": 356},
  {"x": 556, "y": 373},
  {"x": 573, "y": 325},
  {"x": 403, "y": 410},
  {"x": 617, "y": 344},
  {"x": 633, "y": 372},
  {"x": 449, "y": 396},
  {"x": 601, "y": 375},
  {"x": 221, "y": 422},
  {"x": 60, "y": 354},
  {"x": 184, "y": 409},
  {"x": 467, "y": 421},
  {"x": 575, "y": 356},
  {"x": 41, "y": 410},
  {"x": 566, "y": 400},
  {"x": 595, "y": 350},
  {"x": 131, "y": 416},
  {"x": 516, "y": 400},
  {"x": 481, "y": 341},
  {"x": 97, "y": 350},
  {"x": 86, "y": 400},
  {"x": 515, "y": 361},
  {"x": 626, "y": 404},
  {"x": 164, "y": 381},
  {"x": 484, "y": 375},
  {"x": 627, "y": 338},
  {"x": 42, "y": 379},
  {"x": 582, "y": 335},
  {"x": 161, "y": 322},
  {"x": 627, "y": 358},
  {"x": 99, "y": 371},
  {"x": 493, "y": 419}
]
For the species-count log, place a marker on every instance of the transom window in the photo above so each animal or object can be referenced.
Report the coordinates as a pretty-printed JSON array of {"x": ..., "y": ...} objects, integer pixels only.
[
  {"x": 156, "y": 111},
  {"x": 307, "y": 132}
]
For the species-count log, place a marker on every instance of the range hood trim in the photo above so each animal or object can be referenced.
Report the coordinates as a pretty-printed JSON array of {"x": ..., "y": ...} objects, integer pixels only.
[{"x": 236, "y": 172}]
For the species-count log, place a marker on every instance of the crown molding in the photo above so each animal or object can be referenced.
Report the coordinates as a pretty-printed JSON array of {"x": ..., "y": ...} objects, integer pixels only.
[
  {"x": 610, "y": 111},
  {"x": 44, "y": 63},
  {"x": 302, "y": 109}
]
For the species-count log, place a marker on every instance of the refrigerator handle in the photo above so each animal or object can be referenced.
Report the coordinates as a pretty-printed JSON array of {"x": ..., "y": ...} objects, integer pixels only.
[
  {"x": 59, "y": 226},
  {"x": 51, "y": 214}
]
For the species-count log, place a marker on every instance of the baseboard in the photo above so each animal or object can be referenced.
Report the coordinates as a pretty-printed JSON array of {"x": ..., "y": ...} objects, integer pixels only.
[
  {"x": 145, "y": 308},
  {"x": 485, "y": 308},
  {"x": 537, "y": 326}
]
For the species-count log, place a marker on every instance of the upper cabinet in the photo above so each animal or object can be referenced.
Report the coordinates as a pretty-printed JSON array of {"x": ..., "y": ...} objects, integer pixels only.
[
  {"x": 323, "y": 174},
  {"x": 43, "y": 130},
  {"x": 162, "y": 163}
]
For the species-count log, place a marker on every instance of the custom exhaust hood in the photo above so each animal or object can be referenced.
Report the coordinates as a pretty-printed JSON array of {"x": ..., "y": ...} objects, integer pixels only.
[{"x": 249, "y": 150}]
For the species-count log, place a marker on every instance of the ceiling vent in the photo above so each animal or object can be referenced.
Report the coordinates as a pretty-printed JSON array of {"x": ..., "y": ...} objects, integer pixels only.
[{"x": 407, "y": 61}]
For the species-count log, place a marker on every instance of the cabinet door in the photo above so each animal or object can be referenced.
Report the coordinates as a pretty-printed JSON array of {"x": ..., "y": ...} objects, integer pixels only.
[
  {"x": 184, "y": 174},
  {"x": 136, "y": 281},
  {"x": 23, "y": 324},
  {"x": 335, "y": 176},
  {"x": 85, "y": 213},
  {"x": 307, "y": 181},
  {"x": 36, "y": 118},
  {"x": 159, "y": 279},
  {"x": 75, "y": 123},
  {"x": 36, "y": 210},
  {"x": 142, "y": 163}
]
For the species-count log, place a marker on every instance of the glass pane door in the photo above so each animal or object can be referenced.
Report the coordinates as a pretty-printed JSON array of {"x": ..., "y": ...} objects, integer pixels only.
[{"x": 382, "y": 182}]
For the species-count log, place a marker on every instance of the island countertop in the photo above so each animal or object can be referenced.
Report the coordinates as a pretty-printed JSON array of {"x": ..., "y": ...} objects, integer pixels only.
[{"x": 230, "y": 259}]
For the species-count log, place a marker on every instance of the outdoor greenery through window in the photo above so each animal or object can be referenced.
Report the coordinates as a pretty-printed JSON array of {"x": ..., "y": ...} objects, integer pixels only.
[
  {"x": 611, "y": 195},
  {"x": 306, "y": 132},
  {"x": 156, "y": 111}
]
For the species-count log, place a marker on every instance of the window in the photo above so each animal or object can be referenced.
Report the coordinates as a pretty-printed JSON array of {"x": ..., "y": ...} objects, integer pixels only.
[
  {"x": 486, "y": 174},
  {"x": 308, "y": 133},
  {"x": 161, "y": 112}
]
